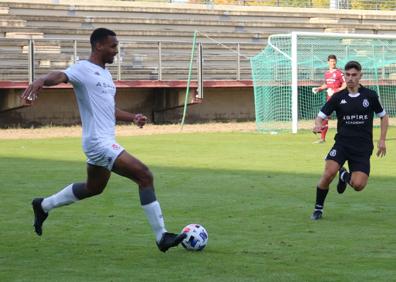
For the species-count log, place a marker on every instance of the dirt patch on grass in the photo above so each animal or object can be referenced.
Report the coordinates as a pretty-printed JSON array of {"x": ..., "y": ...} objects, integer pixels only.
[
  {"x": 126, "y": 130},
  {"x": 150, "y": 129}
]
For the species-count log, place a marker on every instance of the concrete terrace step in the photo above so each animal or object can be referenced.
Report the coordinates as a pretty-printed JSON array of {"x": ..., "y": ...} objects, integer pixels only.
[
  {"x": 84, "y": 8},
  {"x": 237, "y": 26},
  {"x": 4, "y": 22},
  {"x": 234, "y": 22},
  {"x": 202, "y": 12},
  {"x": 4, "y": 10},
  {"x": 249, "y": 29},
  {"x": 149, "y": 35},
  {"x": 24, "y": 34},
  {"x": 263, "y": 22}
]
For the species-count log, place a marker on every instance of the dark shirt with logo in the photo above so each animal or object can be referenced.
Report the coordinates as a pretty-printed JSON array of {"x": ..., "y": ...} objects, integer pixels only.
[{"x": 355, "y": 113}]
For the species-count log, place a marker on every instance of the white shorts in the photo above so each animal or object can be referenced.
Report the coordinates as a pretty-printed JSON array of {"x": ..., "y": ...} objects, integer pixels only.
[{"x": 104, "y": 155}]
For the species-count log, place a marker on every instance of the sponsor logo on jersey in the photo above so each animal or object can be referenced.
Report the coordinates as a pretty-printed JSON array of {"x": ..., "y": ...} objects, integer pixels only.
[
  {"x": 105, "y": 85},
  {"x": 115, "y": 146},
  {"x": 333, "y": 153},
  {"x": 355, "y": 119},
  {"x": 366, "y": 103},
  {"x": 343, "y": 101}
]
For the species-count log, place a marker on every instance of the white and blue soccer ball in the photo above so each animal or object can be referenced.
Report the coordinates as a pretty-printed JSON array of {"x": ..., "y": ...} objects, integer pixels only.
[{"x": 196, "y": 239}]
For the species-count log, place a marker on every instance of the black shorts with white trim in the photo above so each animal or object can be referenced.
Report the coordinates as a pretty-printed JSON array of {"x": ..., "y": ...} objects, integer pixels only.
[{"x": 357, "y": 160}]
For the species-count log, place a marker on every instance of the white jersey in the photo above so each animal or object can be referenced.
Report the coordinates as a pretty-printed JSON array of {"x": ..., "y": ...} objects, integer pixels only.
[{"x": 95, "y": 91}]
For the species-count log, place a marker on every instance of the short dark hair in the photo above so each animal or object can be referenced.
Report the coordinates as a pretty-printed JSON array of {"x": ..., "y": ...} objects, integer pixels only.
[
  {"x": 329, "y": 57},
  {"x": 353, "y": 65},
  {"x": 100, "y": 34}
]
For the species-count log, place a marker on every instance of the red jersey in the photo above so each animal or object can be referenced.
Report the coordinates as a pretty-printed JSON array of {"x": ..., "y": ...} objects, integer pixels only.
[{"x": 334, "y": 79}]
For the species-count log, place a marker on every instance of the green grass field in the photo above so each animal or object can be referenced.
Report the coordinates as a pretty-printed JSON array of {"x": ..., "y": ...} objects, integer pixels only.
[{"x": 254, "y": 193}]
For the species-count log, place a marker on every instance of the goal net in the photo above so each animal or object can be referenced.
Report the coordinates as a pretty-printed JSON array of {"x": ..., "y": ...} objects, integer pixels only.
[{"x": 291, "y": 64}]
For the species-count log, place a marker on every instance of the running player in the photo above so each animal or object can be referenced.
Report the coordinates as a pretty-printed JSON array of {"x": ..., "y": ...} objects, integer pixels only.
[
  {"x": 95, "y": 91},
  {"x": 355, "y": 108}
]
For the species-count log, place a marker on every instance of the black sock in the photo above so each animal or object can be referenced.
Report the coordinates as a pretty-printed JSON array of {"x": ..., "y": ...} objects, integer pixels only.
[
  {"x": 320, "y": 198},
  {"x": 80, "y": 191},
  {"x": 147, "y": 195},
  {"x": 346, "y": 177}
]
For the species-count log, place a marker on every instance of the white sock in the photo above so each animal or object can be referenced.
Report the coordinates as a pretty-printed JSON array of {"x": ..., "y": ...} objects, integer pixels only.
[
  {"x": 155, "y": 218},
  {"x": 342, "y": 176},
  {"x": 62, "y": 198}
]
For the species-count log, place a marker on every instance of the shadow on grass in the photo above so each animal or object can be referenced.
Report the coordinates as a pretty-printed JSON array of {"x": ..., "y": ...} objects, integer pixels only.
[{"x": 258, "y": 222}]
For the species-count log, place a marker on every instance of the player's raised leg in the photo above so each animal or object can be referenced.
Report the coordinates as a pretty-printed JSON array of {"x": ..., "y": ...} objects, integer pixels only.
[
  {"x": 96, "y": 182},
  {"x": 343, "y": 179},
  {"x": 128, "y": 166},
  {"x": 358, "y": 180},
  {"x": 330, "y": 171},
  {"x": 358, "y": 177}
]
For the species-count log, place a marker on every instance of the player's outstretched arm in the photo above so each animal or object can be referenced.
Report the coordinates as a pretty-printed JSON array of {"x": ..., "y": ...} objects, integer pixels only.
[
  {"x": 138, "y": 119},
  {"x": 53, "y": 78},
  {"x": 381, "y": 142},
  {"x": 319, "y": 89},
  {"x": 318, "y": 125}
]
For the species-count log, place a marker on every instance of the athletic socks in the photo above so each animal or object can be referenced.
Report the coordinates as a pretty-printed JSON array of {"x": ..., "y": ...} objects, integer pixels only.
[
  {"x": 155, "y": 218},
  {"x": 153, "y": 211},
  {"x": 345, "y": 176},
  {"x": 80, "y": 191},
  {"x": 320, "y": 198},
  {"x": 62, "y": 198},
  {"x": 147, "y": 198}
]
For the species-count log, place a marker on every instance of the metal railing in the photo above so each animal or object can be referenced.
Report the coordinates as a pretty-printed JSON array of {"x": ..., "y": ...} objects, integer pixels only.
[{"x": 24, "y": 59}]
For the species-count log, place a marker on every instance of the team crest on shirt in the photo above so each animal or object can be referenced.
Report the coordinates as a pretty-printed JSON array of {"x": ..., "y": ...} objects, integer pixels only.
[
  {"x": 366, "y": 103},
  {"x": 115, "y": 146},
  {"x": 333, "y": 153}
]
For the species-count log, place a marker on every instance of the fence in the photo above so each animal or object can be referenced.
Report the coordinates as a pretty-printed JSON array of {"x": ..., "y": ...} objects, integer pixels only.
[{"x": 24, "y": 59}]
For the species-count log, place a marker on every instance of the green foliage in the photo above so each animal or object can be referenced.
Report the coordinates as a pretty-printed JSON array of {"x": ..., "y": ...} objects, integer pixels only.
[
  {"x": 321, "y": 3},
  {"x": 354, "y": 4},
  {"x": 373, "y": 5}
]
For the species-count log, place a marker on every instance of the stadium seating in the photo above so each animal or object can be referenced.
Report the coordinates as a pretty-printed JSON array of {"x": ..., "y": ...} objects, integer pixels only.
[
  {"x": 166, "y": 22},
  {"x": 155, "y": 38}
]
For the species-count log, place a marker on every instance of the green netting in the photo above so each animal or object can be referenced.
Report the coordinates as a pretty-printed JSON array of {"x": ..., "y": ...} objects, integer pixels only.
[{"x": 272, "y": 75}]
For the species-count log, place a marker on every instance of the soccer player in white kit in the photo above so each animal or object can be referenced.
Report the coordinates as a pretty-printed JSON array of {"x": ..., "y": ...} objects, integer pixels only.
[{"x": 95, "y": 91}]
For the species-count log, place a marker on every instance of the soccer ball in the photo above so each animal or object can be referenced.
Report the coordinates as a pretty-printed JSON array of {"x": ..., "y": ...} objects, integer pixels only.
[{"x": 197, "y": 237}]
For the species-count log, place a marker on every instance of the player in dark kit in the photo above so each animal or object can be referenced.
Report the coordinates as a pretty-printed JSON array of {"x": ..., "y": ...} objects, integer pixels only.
[{"x": 355, "y": 108}]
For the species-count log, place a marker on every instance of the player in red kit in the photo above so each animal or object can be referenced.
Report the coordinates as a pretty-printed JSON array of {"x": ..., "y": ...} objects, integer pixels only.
[{"x": 334, "y": 82}]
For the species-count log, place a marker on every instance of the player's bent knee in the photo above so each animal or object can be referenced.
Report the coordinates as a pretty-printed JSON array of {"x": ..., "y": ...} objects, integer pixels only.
[
  {"x": 358, "y": 181},
  {"x": 146, "y": 177},
  {"x": 358, "y": 186}
]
